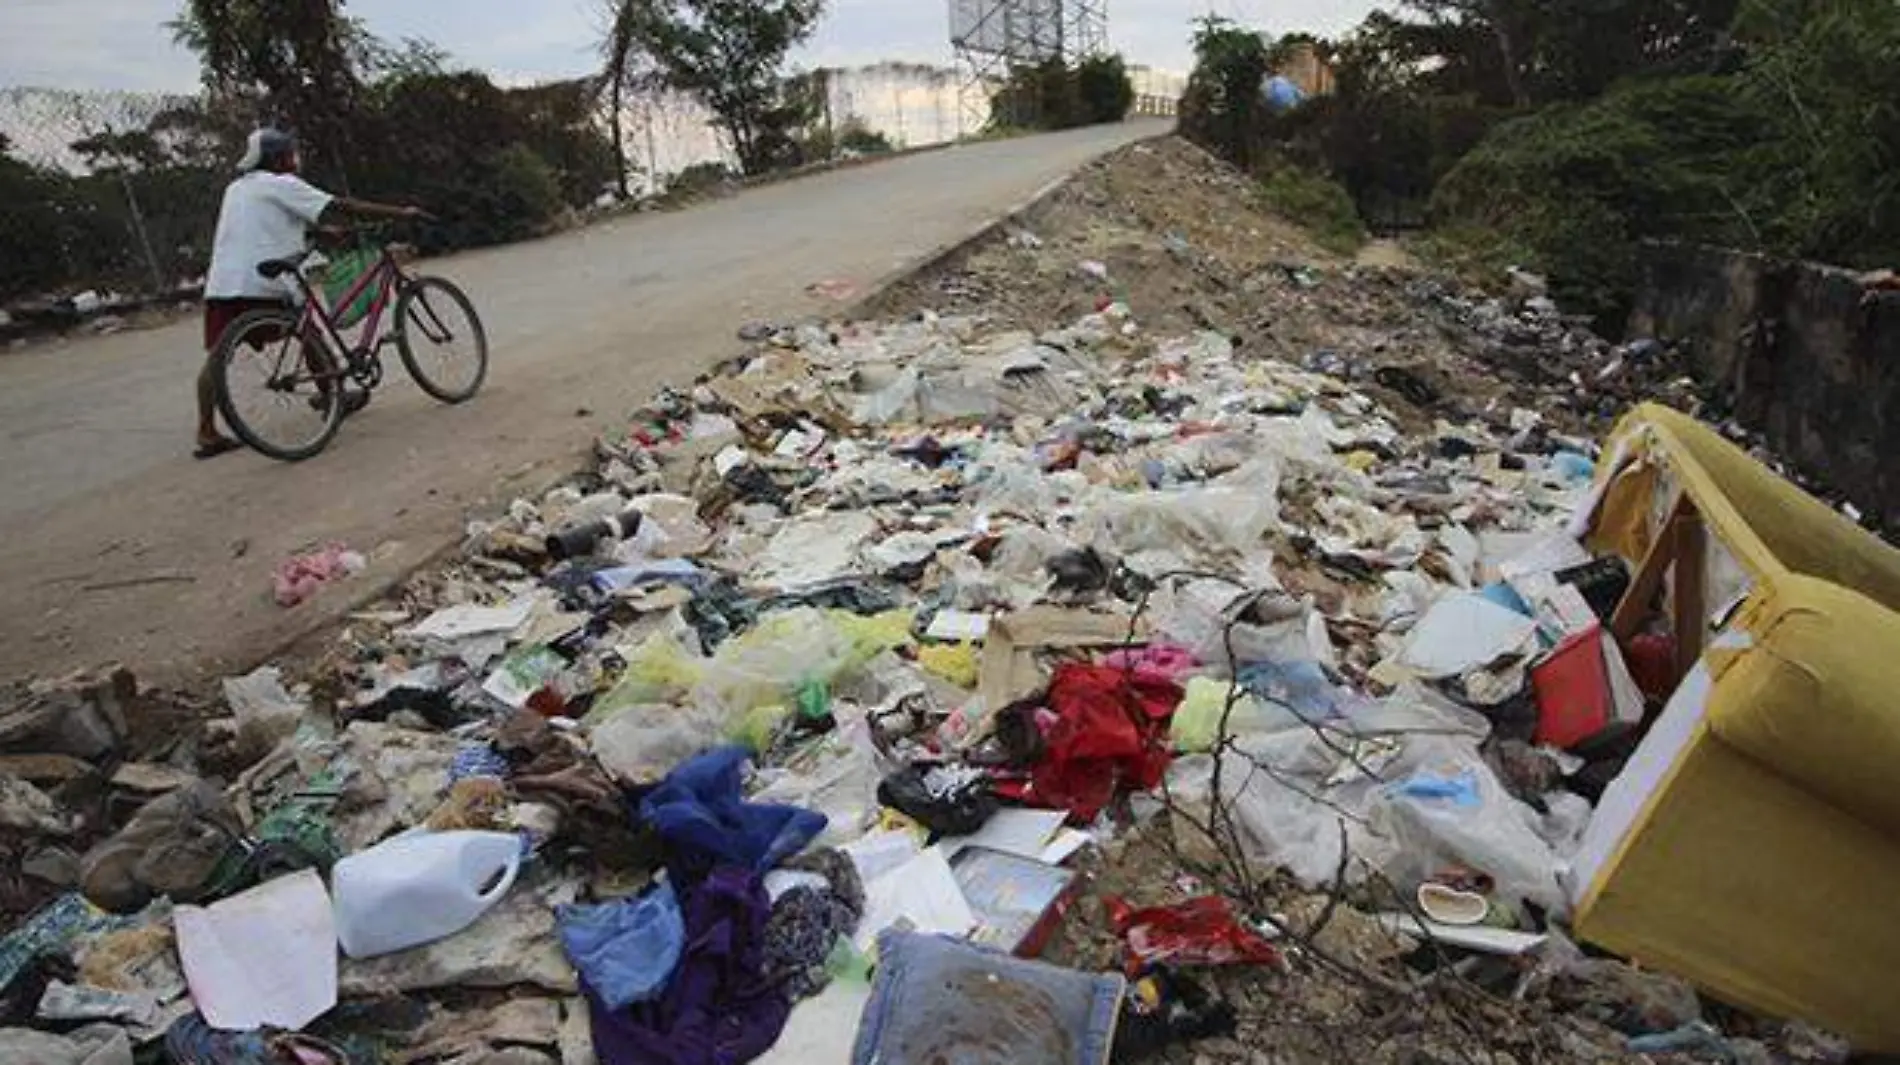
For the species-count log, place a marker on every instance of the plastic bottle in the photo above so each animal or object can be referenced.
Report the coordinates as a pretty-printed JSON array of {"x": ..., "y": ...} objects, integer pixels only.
[{"x": 420, "y": 887}]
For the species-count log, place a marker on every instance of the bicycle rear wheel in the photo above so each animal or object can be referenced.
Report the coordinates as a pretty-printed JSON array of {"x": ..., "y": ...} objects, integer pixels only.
[
  {"x": 269, "y": 392},
  {"x": 441, "y": 339}
]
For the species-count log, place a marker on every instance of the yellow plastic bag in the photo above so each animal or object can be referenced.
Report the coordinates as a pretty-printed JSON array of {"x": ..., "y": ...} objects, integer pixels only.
[
  {"x": 868, "y": 637},
  {"x": 954, "y": 662},
  {"x": 658, "y": 671}
]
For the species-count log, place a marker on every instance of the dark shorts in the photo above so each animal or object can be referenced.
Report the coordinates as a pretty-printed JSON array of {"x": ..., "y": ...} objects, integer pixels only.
[{"x": 220, "y": 313}]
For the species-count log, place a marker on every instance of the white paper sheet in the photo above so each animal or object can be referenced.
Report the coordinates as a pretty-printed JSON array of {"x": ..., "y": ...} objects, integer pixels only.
[
  {"x": 1463, "y": 631},
  {"x": 958, "y": 625},
  {"x": 877, "y": 853},
  {"x": 460, "y": 622},
  {"x": 264, "y": 957},
  {"x": 1025, "y": 833},
  {"x": 923, "y": 892}
]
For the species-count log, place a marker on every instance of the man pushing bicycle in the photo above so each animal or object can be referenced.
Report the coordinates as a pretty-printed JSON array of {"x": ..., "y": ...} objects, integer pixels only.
[{"x": 265, "y": 215}]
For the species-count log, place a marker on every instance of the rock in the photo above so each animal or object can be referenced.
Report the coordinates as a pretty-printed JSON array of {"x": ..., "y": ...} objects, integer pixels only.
[
  {"x": 577, "y": 1034},
  {"x": 27, "y": 808},
  {"x": 44, "y": 768},
  {"x": 57, "y": 866},
  {"x": 82, "y": 715},
  {"x": 95, "y": 1044},
  {"x": 148, "y": 778},
  {"x": 513, "y": 944}
]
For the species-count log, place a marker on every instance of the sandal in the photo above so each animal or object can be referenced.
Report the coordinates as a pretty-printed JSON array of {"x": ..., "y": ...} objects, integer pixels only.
[{"x": 211, "y": 449}]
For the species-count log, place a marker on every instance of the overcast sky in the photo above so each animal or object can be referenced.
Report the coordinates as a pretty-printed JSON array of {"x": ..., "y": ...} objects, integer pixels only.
[{"x": 118, "y": 44}]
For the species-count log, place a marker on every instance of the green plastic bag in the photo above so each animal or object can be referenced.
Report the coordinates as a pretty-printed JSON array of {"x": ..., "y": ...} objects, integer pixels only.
[{"x": 344, "y": 271}]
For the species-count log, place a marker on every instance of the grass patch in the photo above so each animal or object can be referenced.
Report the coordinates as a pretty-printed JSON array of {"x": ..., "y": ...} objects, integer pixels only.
[{"x": 1319, "y": 204}]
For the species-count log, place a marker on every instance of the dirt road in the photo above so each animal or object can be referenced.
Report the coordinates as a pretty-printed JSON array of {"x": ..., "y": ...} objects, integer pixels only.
[{"x": 116, "y": 545}]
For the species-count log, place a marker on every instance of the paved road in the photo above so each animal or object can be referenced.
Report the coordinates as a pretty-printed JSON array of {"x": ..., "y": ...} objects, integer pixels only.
[{"x": 116, "y": 545}]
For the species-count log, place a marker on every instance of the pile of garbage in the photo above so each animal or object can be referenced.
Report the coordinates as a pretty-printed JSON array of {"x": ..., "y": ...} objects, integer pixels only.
[
  {"x": 869, "y": 639},
  {"x": 929, "y": 688}
]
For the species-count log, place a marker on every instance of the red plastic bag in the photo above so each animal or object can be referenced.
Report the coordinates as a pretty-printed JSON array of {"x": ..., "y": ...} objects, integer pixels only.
[
  {"x": 1201, "y": 931},
  {"x": 1110, "y": 731}
]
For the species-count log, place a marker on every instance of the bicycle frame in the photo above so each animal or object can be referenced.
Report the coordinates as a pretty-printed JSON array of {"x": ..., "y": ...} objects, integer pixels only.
[
  {"x": 383, "y": 277},
  {"x": 318, "y": 319}
]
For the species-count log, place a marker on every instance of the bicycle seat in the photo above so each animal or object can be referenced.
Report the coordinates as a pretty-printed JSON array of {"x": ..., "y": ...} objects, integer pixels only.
[{"x": 272, "y": 269}]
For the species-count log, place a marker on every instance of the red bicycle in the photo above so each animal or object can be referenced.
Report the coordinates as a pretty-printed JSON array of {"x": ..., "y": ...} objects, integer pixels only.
[{"x": 282, "y": 375}]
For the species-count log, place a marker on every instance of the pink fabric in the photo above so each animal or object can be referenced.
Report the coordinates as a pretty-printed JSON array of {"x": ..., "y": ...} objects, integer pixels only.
[
  {"x": 301, "y": 576},
  {"x": 1157, "y": 663}
]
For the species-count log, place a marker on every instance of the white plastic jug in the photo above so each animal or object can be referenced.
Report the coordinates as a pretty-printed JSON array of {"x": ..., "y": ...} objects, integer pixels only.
[{"x": 420, "y": 887}]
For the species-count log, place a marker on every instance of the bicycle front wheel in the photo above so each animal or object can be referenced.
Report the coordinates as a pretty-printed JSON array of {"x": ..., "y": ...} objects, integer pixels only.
[
  {"x": 280, "y": 395},
  {"x": 441, "y": 339}
]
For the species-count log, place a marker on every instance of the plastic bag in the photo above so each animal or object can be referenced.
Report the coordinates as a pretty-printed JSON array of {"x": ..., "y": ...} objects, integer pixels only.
[
  {"x": 1201, "y": 931},
  {"x": 769, "y": 664},
  {"x": 1452, "y": 810},
  {"x": 659, "y": 670},
  {"x": 956, "y": 663},
  {"x": 1196, "y": 723},
  {"x": 1211, "y": 518},
  {"x": 1196, "y": 615},
  {"x": 949, "y": 807},
  {"x": 868, "y": 637}
]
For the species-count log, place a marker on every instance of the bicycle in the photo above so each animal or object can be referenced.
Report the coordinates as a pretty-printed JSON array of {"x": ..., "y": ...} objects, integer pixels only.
[{"x": 303, "y": 382}]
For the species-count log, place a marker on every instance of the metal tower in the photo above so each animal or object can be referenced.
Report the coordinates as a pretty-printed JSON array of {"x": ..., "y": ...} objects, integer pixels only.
[{"x": 992, "y": 36}]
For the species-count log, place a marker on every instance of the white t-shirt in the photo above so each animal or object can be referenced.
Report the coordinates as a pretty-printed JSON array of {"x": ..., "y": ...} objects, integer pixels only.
[{"x": 264, "y": 217}]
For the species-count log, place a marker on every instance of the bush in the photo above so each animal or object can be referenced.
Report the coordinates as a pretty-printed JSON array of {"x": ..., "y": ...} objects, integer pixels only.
[
  {"x": 1319, "y": 204},
  {"x": 1582, "y": 185},
  {"x": 1103, "y": 89},
  {"x": 699, "y": 178},
  {"x": 856, "y": 135},
  {"x": 1053, "y": 95}
]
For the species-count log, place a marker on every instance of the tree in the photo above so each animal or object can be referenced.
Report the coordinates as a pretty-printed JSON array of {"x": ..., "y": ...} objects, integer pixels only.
[
  {"x": 729, "y": 55},
  {"x": 304, "y": 55},
  {"x": 1222, "y": 109},
  {"x": 1104, "y": 90}
]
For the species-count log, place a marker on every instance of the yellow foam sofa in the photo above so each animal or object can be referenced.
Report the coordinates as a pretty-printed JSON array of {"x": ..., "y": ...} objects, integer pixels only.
[{"x": 1752, "y": 844}]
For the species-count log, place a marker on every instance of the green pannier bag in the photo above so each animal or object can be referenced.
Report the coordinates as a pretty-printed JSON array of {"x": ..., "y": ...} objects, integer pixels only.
[{"x": 344, "y": 271}]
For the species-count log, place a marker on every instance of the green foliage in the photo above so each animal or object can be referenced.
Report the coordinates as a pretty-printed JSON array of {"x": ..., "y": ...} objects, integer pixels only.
[
  {"x": 1222, "y": 109},
  {"x": 729, "y": 55},
  {"x": 699, "y": 179},
  {"x": 495, "y": 164},
  {"x": 1581, "y": 185},
  {"x": 856, "y": 135},
  {"x": 1037, "y": 96},
  {"x": 1055, "y": 95},
  {"x": 1319, "y": 204},
  {"x": 1103, "y": 89}
]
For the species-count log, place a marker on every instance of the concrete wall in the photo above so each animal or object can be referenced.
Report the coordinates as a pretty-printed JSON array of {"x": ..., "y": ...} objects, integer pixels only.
[{"x": 1796, "y": 352}]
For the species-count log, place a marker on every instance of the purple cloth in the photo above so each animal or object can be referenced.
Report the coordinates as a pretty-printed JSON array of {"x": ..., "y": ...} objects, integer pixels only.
[{"x": 719, "y": 1008}]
